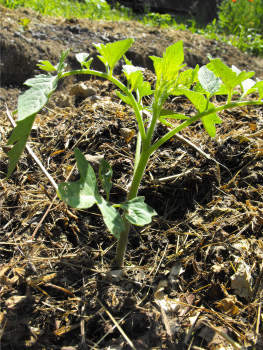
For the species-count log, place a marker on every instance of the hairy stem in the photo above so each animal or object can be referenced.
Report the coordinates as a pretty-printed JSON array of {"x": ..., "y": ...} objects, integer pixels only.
[{"x": 137, "y": 176}]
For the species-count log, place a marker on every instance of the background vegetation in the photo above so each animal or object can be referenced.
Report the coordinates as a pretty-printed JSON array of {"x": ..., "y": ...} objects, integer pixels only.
[{"x": 239, "y": 22}]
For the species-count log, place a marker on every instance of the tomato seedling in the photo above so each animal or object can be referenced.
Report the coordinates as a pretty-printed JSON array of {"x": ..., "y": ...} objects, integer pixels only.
[{"x": 198, "y": 85}]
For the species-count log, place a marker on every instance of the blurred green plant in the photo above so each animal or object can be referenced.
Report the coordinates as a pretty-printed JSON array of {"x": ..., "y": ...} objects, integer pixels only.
[
  {"x": 24, "y": 22},
  {"x": 239, "y": 23}
]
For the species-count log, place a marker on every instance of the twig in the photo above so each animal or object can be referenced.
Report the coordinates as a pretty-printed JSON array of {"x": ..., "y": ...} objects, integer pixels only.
[
  {"x": 117, "y": 325},
  {"x": 225, "y": 336},
  {"x": 31, "y": 152}
]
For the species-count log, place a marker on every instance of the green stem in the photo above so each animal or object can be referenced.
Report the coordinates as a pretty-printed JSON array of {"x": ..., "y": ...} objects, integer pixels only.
[
  {"x": 122, "y": 87},
  {"x": 190, "y": 121},
  {"x": 137, "y": 176}
]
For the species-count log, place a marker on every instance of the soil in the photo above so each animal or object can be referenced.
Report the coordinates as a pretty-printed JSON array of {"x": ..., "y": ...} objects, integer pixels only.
[{"x": 194, "y": 274}]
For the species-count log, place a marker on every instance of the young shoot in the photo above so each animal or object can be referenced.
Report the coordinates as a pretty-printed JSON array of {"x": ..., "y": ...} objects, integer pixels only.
[{"x": 198, "y": 85}]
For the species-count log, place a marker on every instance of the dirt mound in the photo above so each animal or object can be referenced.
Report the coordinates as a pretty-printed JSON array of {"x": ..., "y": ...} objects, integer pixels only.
[{"x": 192, "y": 275}]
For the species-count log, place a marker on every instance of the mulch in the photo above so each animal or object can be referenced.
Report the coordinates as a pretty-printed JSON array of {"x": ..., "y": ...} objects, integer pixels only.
[{"x": 193, "y": 277}]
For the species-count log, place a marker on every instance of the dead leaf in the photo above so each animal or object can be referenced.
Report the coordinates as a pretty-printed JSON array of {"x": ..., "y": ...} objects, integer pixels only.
[{"x": 228, "y": 305}]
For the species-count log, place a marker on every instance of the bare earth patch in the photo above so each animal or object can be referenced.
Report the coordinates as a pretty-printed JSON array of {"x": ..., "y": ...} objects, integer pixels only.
[{"x": 194, "y": 275}]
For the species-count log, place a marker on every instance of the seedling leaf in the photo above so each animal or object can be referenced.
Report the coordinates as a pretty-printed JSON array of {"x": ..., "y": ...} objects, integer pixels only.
[
  {"x": 124, "y": 98},
  {"x": 29, "y": 104},
  {"x": 61, "y": 65},
  {"x": 229, "y": 77},
  {"x": 112, "y": 52},
  {"x": 47, "y": 66},
  {"x": 111, "y": 217},
  {"x": 210, "y": 83},
  {"x": 134, "y": 77},
  {"x": 201, "y": 104},
  {"x": 19, "y": 136},
  {"x": 82, "y": 59},
  {"x": 32, "y": 100},
  {"x": 167, "y": 68},
  {"x": 138, "y": 212},
  {"x": 84, "y": 193}
]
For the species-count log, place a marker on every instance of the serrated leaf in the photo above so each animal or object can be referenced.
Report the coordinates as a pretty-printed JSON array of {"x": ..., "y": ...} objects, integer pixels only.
[
  {"x": 247, "y": 84},
  {"x": 200, "y": 103},
  {"x": 210, "y": 83},
  {"x": 84, "y": 193},
  {"x": 230, "y": 78},
  {"x": 187, "y": 78},
  {"x": 138, "y": 212},
  {"x": 145, "y": 89},
  {"x": 112, "y": 52},
  {"x": 167, "y": 68},
  {"x": 209, "y": 122},
  {"x": 105, "y": 175},
  {"x": 47, "y": 66},
  {"x": 134, "y": 77}
]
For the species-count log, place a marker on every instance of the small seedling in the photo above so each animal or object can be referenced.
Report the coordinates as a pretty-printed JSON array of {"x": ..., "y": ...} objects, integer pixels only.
[
  {"x": 198, "y": 85},
  {"x": 24, "y": 22}
]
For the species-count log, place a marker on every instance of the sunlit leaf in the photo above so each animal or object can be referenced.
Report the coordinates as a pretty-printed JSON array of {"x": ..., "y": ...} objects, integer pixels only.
[
  {"x": 112, "y": 52},
  {"x": 210, "y": 83}
]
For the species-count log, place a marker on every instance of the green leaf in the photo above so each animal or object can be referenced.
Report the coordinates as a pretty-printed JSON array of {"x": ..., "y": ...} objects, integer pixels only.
[
  {"x": 201, "y": 104},
  {"x": 167, "y": 68},
  {"x": 165, "y": 113},
  {"x": 209, "y": 122},
  {"x": 124, "y": 98},
  {"x": 105, "y": 175},
  {"x": 210, "y": 83},
  {"x": 47, "y": 66},
  {"x": 138, "y": 212},
  {"x": 112, "y": 52},
  {"x": 187, "y": 78},
  {"x": 19, "y": 135},
  {"x": 29, "y": 104},
  {"x": 32, "y": 100},
  {"x": 111, "y": 218},
  {"x": 82, "y": 59},
  {"x": 134, "y": 77},
  {"x": 259, "y": 87},
  {"x": 229, "y": 77},
  {"x": 84, "y": 193},
  {"x": 61, "y": 65},
  {"x": 145, "y": 89},
  {"x": 245, "y": 85}
]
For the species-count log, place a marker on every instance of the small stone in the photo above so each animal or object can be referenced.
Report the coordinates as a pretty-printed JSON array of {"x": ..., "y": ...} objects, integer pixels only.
[{"x": 81, "y": 90}]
